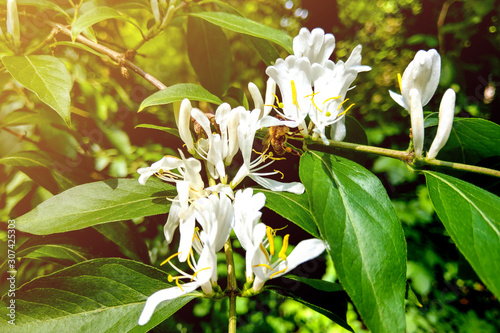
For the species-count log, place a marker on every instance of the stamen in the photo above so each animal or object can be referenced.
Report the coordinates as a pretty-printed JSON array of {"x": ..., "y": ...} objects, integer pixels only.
[
  {"x": 177, "y": 283},
  {"x": 314, "y": 104},
  {"x": 270, "y": 238},
  {"x": 280, "y": 105},
  {"x": 265, "y": 252},
  {"x": 311, "y": 95},
  {"x": 170, "y": 278},
  {"x": 345, "y": 111},
  {"x": 169, "y": 258},
  {"x": 282, "y": 253},
  {"x": 329, "y": 99},
  {"x": 264, "y": 265},
  {"x": 399, "y": 82},
  {"x": 195, "y": 273},
  {"x": 278, "y": 272},
  {"x": 281, "y": 173},
  {"x": 294, "y": 95},
  {"x": 340, "y": 105},
  {"x": 188, "y": 260}
]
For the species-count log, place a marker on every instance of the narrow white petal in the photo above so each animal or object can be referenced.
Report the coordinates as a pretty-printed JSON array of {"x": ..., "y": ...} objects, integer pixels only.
[
  {"x": 271, "y": 184},
  {"x": 164, "y": 295},
  {"x": 304, "y": 251},
  {"x": 398, "y": 99},
  {"x": 417, "y": 122},
  {"x": 446, "y": 114},
  {"x": 184, "y": 123}
]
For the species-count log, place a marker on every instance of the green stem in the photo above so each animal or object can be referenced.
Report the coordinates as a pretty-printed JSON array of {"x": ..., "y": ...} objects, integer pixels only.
[
  {"x": 408, "y": 157},
  {"x": 232, "y": 289},
  {"x": 464, "y": 167}
]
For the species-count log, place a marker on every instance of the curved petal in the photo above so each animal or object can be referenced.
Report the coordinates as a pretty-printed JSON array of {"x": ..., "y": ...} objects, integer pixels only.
[
  {"x": 398, "y": 99},
  {"x": 417, "y": 122},
  {"x": 446, "y": 114},
  {"x": 164, "y": 295},
  {"x": 271, "y": 184},
  {"x": 184, "y": 123},
  {"x": 304, "y": 251}
]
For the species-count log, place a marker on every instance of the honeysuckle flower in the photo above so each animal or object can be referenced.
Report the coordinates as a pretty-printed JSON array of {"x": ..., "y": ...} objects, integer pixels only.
[
  {"x": 203, "y": 272},
  {"x": 422, "y": 74},
  {"x": 417, "y": 122},
  {"x": 247, "y": 214},
  {"x": 184, "y": 125},
  {"x": 266, "y": 264},
  {"x": 293, "y": 77},
  {"x": 215, "y": 216},
  {"x": 446, "y": 114},
  {"x": 266, "y": 105},
  {"x": 164, "y": 165},
  {"x": 249, "y": 124},
  {"x": 315, "y": 45}
]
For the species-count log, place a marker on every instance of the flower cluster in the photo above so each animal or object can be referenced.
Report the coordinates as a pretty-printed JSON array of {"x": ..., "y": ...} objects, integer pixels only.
[
  {"x": 313, "y": 91},
  {"x": 314, "y": 88},
  {"x": 418, "y": 84},
  {"x": 206, "y": 212}
]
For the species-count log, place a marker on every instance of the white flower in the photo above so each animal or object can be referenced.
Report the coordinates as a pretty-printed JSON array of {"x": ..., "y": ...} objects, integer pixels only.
[
  {"x": 268, "y": 265},
  {"x": 446, "y": 114},
  {"x": 184, "y": 123},
  {"x": 421, "y": 74},
  {"x": 259, "y": 103},
  {"x": 164, "y": 165},
  {"x": 315, "y": 45},
  {"x": 215, "y": 216},
  {"x": 247, "y": 214},
  {"x": 417, "y": 122},
  {"x": 293, "y": 77},
  {"x": 249, "y": 124}
]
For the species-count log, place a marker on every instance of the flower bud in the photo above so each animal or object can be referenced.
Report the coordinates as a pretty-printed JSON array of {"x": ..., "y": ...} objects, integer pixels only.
[
  {"x": 184, "y": 122},
  {"x": 156, "y": 10},
  {"x": 417, "y": 122},
  {"x": 13, "y": 22},
  {"x": 446, "y": 114}
]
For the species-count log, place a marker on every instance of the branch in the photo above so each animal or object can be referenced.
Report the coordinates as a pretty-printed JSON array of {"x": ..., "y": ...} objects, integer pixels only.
[{"x": 121, "y": 58}]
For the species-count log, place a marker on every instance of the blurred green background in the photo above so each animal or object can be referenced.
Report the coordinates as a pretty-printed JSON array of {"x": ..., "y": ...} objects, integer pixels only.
[{"x": 104, "y": 142}]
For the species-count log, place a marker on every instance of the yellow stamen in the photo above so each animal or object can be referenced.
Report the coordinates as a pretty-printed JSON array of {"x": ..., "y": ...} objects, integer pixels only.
[
  {"x": 265, "y": 252},
  {"x": 189, "y": 261},
  {"x": 270, "y": 238},
  {"x": 313, "y": 103},
  {"x": 177, "y": 283},
  {"x": 278, "y": 272},
  {"x": 329, "y": 99},
  {"x": 282, "y": 253},
  {"x": 281, "y": 173},
  {"x": 311, "y": 95},
  {"x": 195, "y": 273},
  {"x": 169, "y": 258},
  {"x": 340, "y": 105},
  {"x": 170, "y": 278},
  {"x": 264, "y": 265},
  {"x": 345, "y": 111},
  {"x": 399, "y": 82},
  {"x": 294, "y": 94},
  {"x": 280, "y": 105}
]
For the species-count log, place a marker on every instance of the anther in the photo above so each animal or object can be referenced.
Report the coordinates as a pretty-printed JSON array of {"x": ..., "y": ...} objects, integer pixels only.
[
  {"x": 340, "y": 105},
  {"x": 399, "y": 82},
  {"x": 169, "y": 258},
  {"x": 350, "y": 106},
  {"x": 278, "y": 272},
  {"x": 264, "y": 265},
  {"x": 282, "y": 253},
  {"x": 270, "y": 238}
]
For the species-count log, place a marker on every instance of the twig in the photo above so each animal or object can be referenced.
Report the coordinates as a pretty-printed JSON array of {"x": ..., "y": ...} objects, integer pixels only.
[
  {"x": 121, "y": 58},
  {"x": 440, "y": 23}
]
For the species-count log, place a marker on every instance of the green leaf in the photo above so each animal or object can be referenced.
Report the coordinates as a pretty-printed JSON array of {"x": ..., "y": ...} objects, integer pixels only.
[
  {"x": 18, "y": 117},
  {"x": 38, "y": 167},
  {"x": 293, "y": 207},
  {"x": 210, "y": 54},
  {"x": 42, "y": 4},
  {"x": 471, "y": 139},
  {"x": 365, "y": 239},
  {"x": 93, "y": 16},
  {"x": 471, "y": 216},
  {"x": 325, "y": 297},
  {"x": 126, "y": 236},
  {"x": 96, "y": 203},
  {"x": 248, "y": 27},
  {"x": 168, "y": 130},
  {"x": 47, "y": 77},
  {"x": 178, "y": 92},
  {"x": 101, "y": 295}
]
